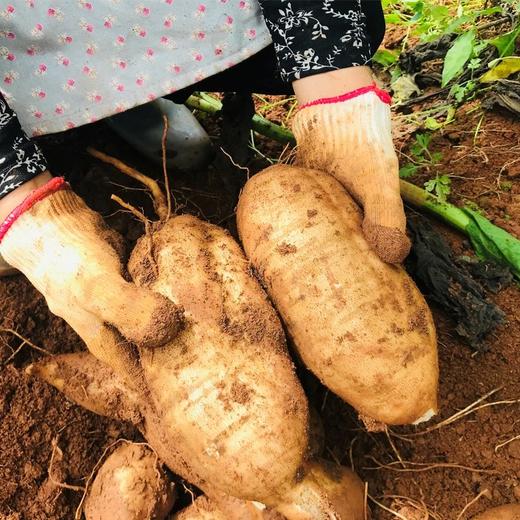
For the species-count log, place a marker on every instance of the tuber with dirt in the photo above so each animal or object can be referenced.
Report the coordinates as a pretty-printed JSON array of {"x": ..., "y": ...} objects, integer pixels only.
[
  {"x": 506, "y": 512},
  {"x": 130, "y": 485},
  {"x": 359, "y": 324}
]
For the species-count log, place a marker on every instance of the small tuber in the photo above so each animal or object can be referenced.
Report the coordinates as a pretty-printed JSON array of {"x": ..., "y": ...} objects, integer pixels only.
[
  {"x": 507, "y": 512},
  {"x": 130, "y": 485}
]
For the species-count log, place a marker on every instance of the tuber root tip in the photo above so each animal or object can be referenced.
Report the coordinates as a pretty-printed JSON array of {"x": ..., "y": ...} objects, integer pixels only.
[{"x": 425, "y": 417}]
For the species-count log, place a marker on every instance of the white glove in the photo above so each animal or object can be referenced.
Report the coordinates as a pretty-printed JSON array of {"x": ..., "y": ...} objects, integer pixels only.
[
  {"x": 350, "y": 137},
  {"x": 73, "y": 259}
]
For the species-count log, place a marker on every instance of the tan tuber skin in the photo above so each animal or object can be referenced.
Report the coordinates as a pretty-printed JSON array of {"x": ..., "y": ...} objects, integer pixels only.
[
  {"x": 130, "y": 485},
  {"x": 359, "y": 324},
  {"x": 324, "y": 482},
  {"x": 220, "y": 403},
  {"x": 507, "y": 512},
  {"x": 225, "y": 388}
]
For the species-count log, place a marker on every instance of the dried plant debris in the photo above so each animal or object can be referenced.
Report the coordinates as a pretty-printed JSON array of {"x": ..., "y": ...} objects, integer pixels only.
[{"x": 453, "y": 284}]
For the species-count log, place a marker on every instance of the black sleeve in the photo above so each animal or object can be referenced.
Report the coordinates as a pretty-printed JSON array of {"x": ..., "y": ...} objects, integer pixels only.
[
  {"x": 315, "y": 36},
  {"x": 20, "y": 157}
]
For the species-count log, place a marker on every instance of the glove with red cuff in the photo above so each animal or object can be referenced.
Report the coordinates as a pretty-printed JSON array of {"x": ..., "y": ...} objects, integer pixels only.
[
  {"x": 349, "y": 136},
  {"x": 73, "y": 259}
]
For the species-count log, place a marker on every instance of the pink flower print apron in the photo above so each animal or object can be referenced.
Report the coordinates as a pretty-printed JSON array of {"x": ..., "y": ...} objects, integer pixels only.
[{"x": 65, "y": 63}]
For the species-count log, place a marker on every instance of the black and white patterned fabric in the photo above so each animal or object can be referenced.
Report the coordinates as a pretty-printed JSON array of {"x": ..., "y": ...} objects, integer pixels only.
[
  {"x": 315, "y": 36},
  {"x": 20, "y": 158}
]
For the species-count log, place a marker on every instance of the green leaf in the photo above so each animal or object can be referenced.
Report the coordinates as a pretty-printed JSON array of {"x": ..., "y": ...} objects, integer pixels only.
[
  {"x": 479, "y": 47},
  {"x": 492, "y": 242},
  {"x": 432, "y": 123},
  {"x": 436, "y": 157},
  {"x": 489, "y": 11},
  {"x": 393, "y": 18},
  {"x": 505, "y": 43},
  {"x": 408, "y": 170},
  {"x": 459, "y": 53},
  {"x": 474, "y": 63},
  {"x": 455, "y": 24},
  {"x": 385, "y": 57},
  {"x": 441, "y": 186},
  {"x": 504, "y": 69},
  {"x": 420, "y": 146},
  {"x": 418, "y": 11},
  {"x": 458, "y": 92},
  {"x": 439, "y": 13}
]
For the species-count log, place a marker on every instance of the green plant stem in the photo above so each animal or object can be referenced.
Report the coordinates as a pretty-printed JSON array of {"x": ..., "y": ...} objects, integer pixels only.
[
  {"x": 201, "y": 104},
  {"x": 263, "y": 126},
  {"x": 420, "y": 198}
]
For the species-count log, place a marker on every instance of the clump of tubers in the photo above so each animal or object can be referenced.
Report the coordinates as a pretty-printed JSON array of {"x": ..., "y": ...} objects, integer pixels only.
[
  {"x": 359, "y": 324},
  {"x": 130, "y": 485},
  {"x": 507, "y": 512},
  {"x": 220, "y": 403}
]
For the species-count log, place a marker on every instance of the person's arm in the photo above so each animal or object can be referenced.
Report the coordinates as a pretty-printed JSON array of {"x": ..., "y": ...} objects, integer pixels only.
[
  {"x": 343, "y": 126},
  {"x": 64, "y": 248},
  {"x": 23, "y": 167}
]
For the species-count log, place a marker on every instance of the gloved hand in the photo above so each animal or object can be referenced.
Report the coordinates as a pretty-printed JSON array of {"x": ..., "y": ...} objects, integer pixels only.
[
  {"x": 350, "y": 137},
  {"x": 73, "y": 259}
]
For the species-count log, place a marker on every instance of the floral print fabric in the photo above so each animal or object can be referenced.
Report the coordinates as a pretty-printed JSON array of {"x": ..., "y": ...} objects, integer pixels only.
[
  {"x": 65, "y": 63},
  {"x": 20, "y": 158},
  {"x": 315, "y": 36}
]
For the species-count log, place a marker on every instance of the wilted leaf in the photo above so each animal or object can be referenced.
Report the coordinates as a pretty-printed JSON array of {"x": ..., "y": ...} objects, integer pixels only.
[
  {"x": 502, "y": 70},
  {"x": 403, "y": 88},
  {"x": 434, "y": 124},
  {"x": 457, "y": 56}
]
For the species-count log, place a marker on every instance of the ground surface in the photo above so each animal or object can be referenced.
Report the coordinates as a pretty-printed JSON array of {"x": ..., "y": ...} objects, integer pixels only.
[{"x": 36, "y": 420}]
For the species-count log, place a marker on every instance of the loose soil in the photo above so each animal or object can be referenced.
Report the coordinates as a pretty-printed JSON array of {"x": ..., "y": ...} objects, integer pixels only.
[{"x": 36, "y": 420}]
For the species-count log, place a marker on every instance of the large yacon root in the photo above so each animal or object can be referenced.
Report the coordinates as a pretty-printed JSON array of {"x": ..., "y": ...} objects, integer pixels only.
[
  {"x": 220, "y": 404},
  {"x": 359, "y": 324}
]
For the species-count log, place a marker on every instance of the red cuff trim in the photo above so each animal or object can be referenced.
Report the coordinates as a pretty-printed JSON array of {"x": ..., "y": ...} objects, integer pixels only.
[
  {"x": 381, "y": 94},
  {"x": 54, "y": 185}
]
